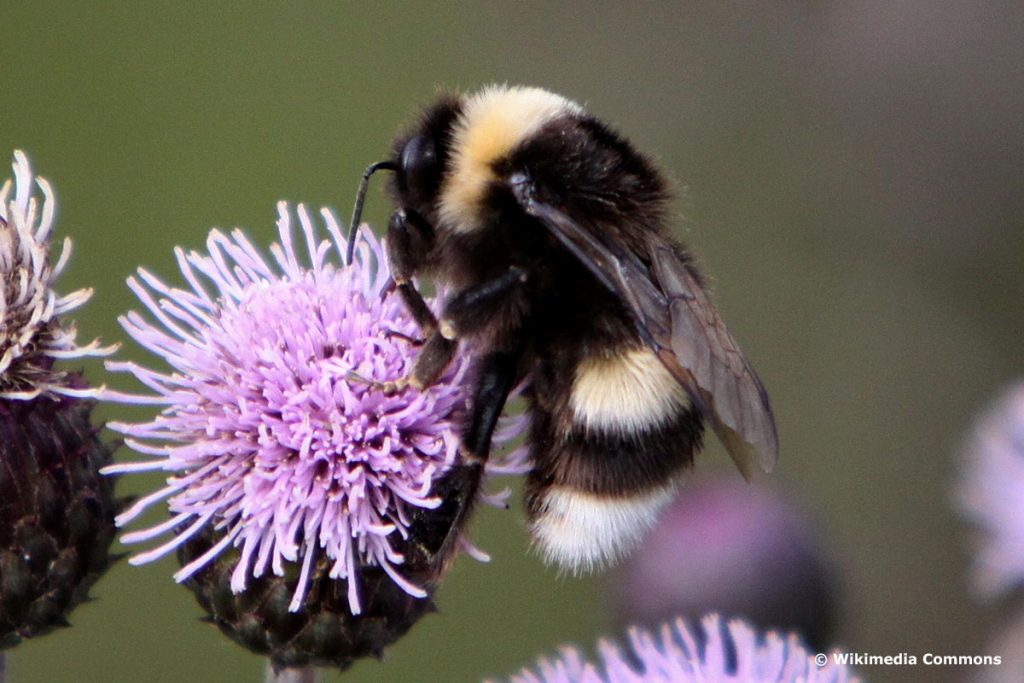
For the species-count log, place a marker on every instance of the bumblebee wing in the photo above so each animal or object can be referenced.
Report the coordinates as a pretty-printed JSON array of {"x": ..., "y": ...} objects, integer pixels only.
[
  {"x": 676, "y": 319},
  {"x": 740, "y": 410}
]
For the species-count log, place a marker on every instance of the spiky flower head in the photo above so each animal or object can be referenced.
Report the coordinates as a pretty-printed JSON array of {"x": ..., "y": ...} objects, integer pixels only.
[
  {"x": 33, "y": 333},
  {"x": 289, "y": 466},
  {"x": 991, "y": 494},
  {"x": 677, "y": 653},
  {"x": 56, "y": 511}
]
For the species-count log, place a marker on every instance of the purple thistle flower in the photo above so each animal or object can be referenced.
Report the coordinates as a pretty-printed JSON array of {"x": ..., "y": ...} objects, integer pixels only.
[
  {"x": 272, "y": 442},
  {"x": 991, "y": 494},
  {"x": 679, "y": 654}
]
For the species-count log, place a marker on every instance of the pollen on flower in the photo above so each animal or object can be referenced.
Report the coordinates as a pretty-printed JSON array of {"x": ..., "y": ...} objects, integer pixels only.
[
  {"x": 32, "y": 334},
  {"x": 714, "y": 653},
  {"x": 272, "y": 428}
]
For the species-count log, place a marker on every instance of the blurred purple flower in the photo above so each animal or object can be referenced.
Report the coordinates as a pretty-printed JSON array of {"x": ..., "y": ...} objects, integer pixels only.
[
  {"x": 733, "y": 548},
  {"x": 272, "y": 442},
  {"x": 716, "y": 653},
  {"x": 991, "y": 494},
  {"x": 1008, "y": 645}
]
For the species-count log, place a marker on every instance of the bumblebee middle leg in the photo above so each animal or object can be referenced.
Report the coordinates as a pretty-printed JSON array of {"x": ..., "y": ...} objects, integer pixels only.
[
  {"x": 464, "y": 312},
  {"x": 473, "y": 308}
]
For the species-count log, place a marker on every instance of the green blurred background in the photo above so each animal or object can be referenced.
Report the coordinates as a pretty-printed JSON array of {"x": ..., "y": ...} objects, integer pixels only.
[{"x": 850, "y": 176}]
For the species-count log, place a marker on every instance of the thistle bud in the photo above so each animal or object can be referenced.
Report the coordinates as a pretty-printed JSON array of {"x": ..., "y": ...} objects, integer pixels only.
[{"x": 56, "y": 511}]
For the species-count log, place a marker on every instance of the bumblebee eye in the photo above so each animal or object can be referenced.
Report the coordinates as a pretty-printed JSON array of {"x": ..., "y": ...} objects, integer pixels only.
[{"x": 419, "y": 171}]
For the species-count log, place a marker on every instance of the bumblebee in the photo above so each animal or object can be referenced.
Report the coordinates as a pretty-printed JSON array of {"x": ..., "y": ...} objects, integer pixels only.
[{"x": 548, "y": 230}]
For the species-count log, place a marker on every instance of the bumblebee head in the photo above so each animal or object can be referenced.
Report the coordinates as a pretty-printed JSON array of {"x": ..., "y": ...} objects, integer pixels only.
[
  {"x": 422, "y": 154},
  {"x": 418, "y": 160},
  {"x": 451, "y": 160},
  {"x": 418, "y": 173}
]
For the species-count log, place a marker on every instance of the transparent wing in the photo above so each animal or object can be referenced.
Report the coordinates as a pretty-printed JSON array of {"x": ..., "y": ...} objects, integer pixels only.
[{"x": 675, "y": 317}]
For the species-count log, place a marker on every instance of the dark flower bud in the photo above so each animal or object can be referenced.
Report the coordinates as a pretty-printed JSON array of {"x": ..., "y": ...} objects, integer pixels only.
[
  {"x": 56, "y": 510},
  {"x": 56, "y": 516},
  {"x": 324, "y": 632}
]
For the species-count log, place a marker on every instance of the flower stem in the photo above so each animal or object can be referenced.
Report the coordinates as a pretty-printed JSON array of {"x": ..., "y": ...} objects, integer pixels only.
[{"x": 306, "y": 674}]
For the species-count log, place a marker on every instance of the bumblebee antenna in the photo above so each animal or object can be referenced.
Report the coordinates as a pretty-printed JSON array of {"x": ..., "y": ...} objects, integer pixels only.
[{"x": 357, "y": 211}]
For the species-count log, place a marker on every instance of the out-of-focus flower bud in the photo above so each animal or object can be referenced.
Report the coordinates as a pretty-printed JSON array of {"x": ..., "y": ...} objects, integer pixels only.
[{"x": 736, "y": 549}]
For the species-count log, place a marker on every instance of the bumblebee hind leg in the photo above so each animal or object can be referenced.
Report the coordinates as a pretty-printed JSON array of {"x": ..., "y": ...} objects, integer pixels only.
[{"x": 495, "y": 375}]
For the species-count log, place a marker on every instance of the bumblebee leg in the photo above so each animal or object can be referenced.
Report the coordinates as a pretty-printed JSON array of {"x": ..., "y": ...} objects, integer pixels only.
[
  {"x": 407, "y": 338},
  {"x": 435, "y": 355},
  {"x": 437, "y": 530},
  {"x": 472, "y": 308},
  {"x": 409, "y": 240},
  {"x": 464, "y": 311},
  {"x": 495, "y": 375}
]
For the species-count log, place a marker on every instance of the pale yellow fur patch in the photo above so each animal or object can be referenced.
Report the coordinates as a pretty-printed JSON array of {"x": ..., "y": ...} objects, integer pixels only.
[
  {"x": 492, "y": 123},
  {"x": 624, "y": 393}
]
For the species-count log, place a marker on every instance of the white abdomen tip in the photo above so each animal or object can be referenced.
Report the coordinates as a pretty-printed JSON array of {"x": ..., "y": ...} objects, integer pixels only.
[{"x": 582, "y": 532}]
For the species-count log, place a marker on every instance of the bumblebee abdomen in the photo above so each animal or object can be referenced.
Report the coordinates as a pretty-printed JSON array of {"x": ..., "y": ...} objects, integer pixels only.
[{"x": 607, "y": 458}]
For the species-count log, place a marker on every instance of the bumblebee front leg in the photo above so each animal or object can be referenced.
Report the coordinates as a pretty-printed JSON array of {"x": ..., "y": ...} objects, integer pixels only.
[{"x": 409, "y": 241}]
